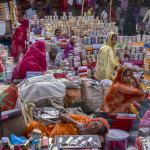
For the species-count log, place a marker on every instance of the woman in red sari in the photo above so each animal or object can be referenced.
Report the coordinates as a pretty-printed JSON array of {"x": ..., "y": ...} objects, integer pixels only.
[
  {"x": 33, "y": 60},
  {"x": 18, "y": 44},
  {"x": 122, "y": 93}
]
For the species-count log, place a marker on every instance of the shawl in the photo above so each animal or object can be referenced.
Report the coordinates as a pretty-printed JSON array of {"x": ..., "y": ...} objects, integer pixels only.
[
  {"x": 69, "y": 46},
  {"x": 19, "y": 39},
  {"x": 107, "y": 60},
  {"x": 33, "y": 60},
  {"x": 62, "y": 128}
]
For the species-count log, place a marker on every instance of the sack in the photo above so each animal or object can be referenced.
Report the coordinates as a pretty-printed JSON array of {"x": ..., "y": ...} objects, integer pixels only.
[
  {"x": 38, "y": 88},
  {"x": 71, "y": 96},
  {"x": 93, "y": 95}
]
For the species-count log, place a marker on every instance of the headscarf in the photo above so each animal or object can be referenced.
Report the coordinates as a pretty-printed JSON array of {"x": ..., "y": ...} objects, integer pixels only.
[
  {"x": 18, "y": 42},
  {"x": 104, "y": 121},
  {"x": 108, "y": 39},
  {"x": 120, "y": 74},
  {"x": 38, "y": 52},
  {"x": 33, "y": 60},
  {"x": 25, "y": 23},
  {"x": 24, "y": 26},
  {"x": 41, "y": 46}
]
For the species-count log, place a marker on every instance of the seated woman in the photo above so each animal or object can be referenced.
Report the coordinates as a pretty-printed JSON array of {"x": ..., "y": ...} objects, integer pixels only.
[
  {"x": 71, "y": 125},
  {"x": 122, "y": 94},
  {"x": 69, "y": 46},
  {"x": 53, "y": 59},
  {"x": 20, "y": 38},
  {"x": 33, "y": 60}
]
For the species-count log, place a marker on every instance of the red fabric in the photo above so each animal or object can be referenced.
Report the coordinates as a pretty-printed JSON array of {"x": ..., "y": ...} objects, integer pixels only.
[
  {"x": 64, "y": 5},
  {"x": 113, "y": 15},
  {"x": 119, "y": 75},
  {"x": 9, "y": 98},
  {"x": 145, "y": 122},
  {"x": 33, "y": 60},
  {"x": 138, "y": 144},
  {"x": 19, "y": 38},
  {"x": 120, "y": 96},
  {"x": 1, "y": 66}
]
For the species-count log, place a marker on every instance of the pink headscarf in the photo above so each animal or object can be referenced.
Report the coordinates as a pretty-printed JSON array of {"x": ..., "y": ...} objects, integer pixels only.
[
  {"x": 145, "y": 122},
  {"x": 33, "y": 60}
]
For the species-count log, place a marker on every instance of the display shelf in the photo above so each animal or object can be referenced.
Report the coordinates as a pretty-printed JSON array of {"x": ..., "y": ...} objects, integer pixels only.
[{"x": 134, "y": 62}]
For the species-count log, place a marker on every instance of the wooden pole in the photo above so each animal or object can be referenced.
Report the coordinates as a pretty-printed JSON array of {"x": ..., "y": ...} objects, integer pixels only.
[
  {"x": 81, "y": 15},
  {"x": 82, "y": 8},
  {"x": 110, "y": 10}
]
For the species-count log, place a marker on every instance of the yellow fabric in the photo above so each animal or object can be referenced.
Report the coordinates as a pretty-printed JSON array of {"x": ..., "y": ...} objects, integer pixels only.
[
  {"x": 89, "y": 13},
  {"x": 147, "y": 77},
  {"x": 106, "y": 61}
]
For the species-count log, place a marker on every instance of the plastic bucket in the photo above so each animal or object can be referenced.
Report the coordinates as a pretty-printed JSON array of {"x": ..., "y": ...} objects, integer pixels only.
[{"x": 116, "y": 139}]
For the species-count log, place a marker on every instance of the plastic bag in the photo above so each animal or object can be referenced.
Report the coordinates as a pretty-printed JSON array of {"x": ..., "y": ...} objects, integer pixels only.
[{"x": 17, "y": 140}]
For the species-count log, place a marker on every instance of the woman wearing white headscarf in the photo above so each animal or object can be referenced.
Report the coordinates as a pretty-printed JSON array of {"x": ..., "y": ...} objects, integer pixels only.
[{"x": 107, "y": 61}]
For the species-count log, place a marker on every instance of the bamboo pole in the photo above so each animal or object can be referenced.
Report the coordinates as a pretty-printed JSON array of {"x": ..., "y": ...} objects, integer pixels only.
[
  {"x": 110, "y": 10},
  {"x": 82, "y": 8}
]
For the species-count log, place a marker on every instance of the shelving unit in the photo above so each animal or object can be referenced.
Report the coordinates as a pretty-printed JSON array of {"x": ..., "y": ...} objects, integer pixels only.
[{"x": 55, "y": 6}]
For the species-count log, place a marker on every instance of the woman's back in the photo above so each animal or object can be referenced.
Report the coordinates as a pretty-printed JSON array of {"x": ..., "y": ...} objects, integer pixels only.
[{"x": 33, "y": 60}]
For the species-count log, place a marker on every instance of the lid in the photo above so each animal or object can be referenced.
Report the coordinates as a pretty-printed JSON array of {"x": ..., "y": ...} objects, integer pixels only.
[{"x": 117, "y": 134}]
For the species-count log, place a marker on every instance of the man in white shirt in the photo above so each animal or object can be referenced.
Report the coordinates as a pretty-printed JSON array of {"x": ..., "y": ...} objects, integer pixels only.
[
  {"x": 104, "y": 15},
  {"x": 53, "y": 59}
]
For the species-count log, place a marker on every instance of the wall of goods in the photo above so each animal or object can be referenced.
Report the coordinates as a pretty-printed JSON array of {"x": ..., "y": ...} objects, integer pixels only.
[
  {"x": 90, "y": 34},
  {"x": 8, "y": 11}
]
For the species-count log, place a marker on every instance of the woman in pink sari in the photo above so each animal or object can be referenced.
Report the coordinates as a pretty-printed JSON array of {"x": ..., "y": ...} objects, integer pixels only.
[
  {"x": 33, "y": 60},
  {"x": 18, "y": 44},
  {"x": 69, "y": 46}
]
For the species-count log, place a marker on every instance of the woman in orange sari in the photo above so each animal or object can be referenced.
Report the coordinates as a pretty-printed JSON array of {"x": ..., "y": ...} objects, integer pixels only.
[
  {"x": 71, "y": 125},
  {"x": 122, "y": 93}
]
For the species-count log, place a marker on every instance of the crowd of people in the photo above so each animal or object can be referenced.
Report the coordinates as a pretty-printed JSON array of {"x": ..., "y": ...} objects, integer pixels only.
[{"x": 125, "y": 91}]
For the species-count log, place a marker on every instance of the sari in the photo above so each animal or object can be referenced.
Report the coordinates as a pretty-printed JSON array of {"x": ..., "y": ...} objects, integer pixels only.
[
  {"x": 106, "y": 61},
  {"x": 18, "y": 44},
  {"x": 120, "y": 96},
  {"x": 69, "y": 46},
  {"x": 33, "y": 60},
  {"x": 62, "y": 128}
]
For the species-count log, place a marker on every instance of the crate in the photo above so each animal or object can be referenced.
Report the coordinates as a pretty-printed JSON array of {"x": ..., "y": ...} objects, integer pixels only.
[{"x": 86, "y": 137}]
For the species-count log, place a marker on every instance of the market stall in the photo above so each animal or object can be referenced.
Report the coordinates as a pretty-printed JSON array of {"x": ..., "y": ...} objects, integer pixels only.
[{"x": 45, "y": 95}]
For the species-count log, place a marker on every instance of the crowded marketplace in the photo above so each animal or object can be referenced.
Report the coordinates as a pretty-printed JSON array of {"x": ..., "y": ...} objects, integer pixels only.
[{"x": 74, "y": 74}]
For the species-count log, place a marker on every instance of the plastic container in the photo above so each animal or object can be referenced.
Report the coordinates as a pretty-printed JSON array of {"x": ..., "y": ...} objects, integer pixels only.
[
  {"x": 123, "y": 122},
  {"x": 116, "y": 139},
  {"x": 2, "y": 27}
]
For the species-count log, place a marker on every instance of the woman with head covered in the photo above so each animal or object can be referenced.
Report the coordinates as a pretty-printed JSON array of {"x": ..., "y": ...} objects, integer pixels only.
[
  {"x": 18, "y": 44},
  {"x": 33, "y": 60},
  {"x": 107, "y": 61},
  {"x": 125, "y": 90}
]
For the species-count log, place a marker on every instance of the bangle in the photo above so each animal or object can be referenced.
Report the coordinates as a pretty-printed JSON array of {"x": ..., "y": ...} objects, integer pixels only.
[
  {"x": 68, "y": 119},
  {"x": 138, "y": 84}
]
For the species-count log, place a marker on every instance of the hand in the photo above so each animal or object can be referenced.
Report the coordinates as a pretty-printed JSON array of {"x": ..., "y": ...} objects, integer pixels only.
[
  {"x": 81, "y": 129},
  {"x": 64, "y": 117}
]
